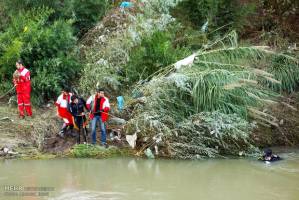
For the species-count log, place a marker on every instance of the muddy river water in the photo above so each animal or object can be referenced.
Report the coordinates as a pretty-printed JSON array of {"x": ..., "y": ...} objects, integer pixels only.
[{"x": 140, "y": 179}]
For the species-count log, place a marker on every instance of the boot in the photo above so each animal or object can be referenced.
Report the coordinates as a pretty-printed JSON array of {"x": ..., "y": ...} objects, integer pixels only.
[
  {"x": 61, "y": 134},
  {"x": 71, "y": 131},
  {"x": 62, "y": 131}
]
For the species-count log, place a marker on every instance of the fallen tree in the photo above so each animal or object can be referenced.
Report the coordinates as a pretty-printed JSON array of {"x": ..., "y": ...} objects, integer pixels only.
[{"x": 207, "y": 104}]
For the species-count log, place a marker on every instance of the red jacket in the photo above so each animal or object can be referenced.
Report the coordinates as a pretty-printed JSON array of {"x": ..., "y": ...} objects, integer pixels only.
[
  {"x": 23, "y": 83},
  {"x": 104, "y": 106}
]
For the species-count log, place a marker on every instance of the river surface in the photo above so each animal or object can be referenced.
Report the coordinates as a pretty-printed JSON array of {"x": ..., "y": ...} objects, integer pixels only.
[{"x": 140, "y": 179}]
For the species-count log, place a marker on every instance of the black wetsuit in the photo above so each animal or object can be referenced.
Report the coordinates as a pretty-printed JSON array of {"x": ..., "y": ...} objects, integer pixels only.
[{"x": 272, "y": 158}]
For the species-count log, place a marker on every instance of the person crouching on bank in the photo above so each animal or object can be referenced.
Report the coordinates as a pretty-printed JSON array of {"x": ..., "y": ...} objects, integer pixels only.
[{"x": 62, "y": 102}]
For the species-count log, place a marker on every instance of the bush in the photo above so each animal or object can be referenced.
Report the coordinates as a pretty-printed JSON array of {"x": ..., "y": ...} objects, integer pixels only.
[
  {"x": 286, "y": 72},
  {"x": 51, "y": 74},
  {"x": 85, "y": 13},
  {"x": 229, "y": 13},
  {"x": 276, "y": 23},
  {"x": 210, "y": 134},
  {"x": 154, "y": 53},
  {"x": 106, "y": 48},
  {"x": 3, "y": 17},
  {"x": 204, "y": 110},
  {"x": 46, "y": 48}
]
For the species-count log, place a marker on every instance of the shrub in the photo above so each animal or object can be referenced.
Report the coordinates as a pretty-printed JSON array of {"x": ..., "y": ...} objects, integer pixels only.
[
  {"x": 154, "y": 53},
  {"x": 229, "y": 13},
  {"x": 203, "y": 110},
  {"x": 3, "y": 17},
  {"x": 85, "y": 13},
  {"x": 210, "y": 134},
  {"x": 286, "y": 72},
  {"x": 106, "y": 48},
  {"x": 12, "y": 40},
  {"x": 278, "y": 22},
  {"x": 47, "y": 48},
  {"x": 51, "y": 74}
]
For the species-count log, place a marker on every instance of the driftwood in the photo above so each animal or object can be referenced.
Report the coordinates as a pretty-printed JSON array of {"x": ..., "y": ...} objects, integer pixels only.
[
  {"x": 5, "y": 119},
  {"x": 9, "y": 91}
]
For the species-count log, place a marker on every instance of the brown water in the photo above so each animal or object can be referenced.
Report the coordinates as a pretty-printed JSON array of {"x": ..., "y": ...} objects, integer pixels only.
[{"x": 139, "y": 179}]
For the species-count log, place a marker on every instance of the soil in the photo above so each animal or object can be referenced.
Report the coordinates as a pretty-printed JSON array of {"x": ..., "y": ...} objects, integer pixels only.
[
  {"x": 38, "y": 135},
  {"x": 58, "y": 145}
]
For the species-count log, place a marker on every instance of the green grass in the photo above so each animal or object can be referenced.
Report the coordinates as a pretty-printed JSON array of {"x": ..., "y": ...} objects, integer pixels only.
[{"x": 95, "y": 151}]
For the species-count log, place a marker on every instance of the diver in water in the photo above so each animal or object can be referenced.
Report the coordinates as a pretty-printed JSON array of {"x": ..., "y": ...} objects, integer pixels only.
[{"x": 268, "y": 156}]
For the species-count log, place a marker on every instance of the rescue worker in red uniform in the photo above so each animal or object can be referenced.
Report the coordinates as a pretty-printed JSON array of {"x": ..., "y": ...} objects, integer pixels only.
[
  {"x": 62, "y": 110},
  {"x": 21, "y": 80},
  {"x": 99, "y": 107}
]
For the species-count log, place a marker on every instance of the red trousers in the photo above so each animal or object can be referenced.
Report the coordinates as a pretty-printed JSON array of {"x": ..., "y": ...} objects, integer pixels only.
[
  {"x": 24, "y": 103},
  {"x": 66, "y": 116}
]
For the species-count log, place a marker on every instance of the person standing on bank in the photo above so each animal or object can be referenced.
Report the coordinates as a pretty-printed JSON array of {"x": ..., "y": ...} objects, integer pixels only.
[
  {"x": 99, "y": 107},
  {"x": 76, "y": 108},
  {"x": 21, "y": 80}
]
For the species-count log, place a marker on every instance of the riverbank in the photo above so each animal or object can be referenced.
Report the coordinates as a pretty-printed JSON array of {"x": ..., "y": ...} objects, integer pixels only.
[{"x": 37, "y": 137}]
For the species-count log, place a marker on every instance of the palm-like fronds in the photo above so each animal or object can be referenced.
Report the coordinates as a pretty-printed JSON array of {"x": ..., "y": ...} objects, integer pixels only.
[
  {"x": 220, "y": 80},
  {"x": 226, "y": 79},
  {"x": 227, "y": 91},
  {"x": 286, "y": 70}
]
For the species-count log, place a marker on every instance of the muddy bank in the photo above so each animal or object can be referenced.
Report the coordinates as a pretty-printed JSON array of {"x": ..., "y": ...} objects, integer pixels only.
[
  {"x": 37, "y": 137},
  {"x": 26, "y": 136}
]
